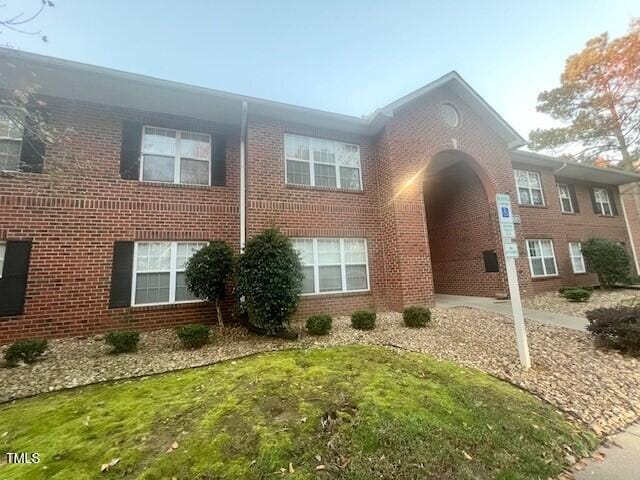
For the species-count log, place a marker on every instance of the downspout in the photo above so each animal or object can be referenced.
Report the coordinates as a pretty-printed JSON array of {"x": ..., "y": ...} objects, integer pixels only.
[
  {"x": 559, "y": 169},
  {"x": 631, "y": 239},
  {"x": 243, "y": 177}
]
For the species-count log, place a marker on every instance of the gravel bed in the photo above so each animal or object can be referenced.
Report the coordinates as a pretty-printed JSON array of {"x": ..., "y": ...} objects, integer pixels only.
[
  {"x": 553, "y": 302},
  {"x": 601, "y": 388}
]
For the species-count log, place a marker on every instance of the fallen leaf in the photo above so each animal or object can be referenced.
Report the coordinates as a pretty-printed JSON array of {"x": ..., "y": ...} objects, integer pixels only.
[
  {"x": 291, "y": 469},
  {"x": 321, "y": 467},
  {"x": 174, "y": 445},
  {"x": 106, "y": 466},
  {"x": 303, "y": 420},
  {"x": 466, "y": 455},
  {"x": 318, "y": 458}
]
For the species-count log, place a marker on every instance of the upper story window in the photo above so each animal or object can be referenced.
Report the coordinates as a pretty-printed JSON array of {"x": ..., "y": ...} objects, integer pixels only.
[
  {"x": 159, "y": 272},
  {"x": 10, "y": 140},
  {"x": 566, "y": 204},
  {"x": 322, "y": 163},
  {"x": 602, "y": 202},
  {"x": 529, "y": 187},
  {"x": 174, "y": 156}
]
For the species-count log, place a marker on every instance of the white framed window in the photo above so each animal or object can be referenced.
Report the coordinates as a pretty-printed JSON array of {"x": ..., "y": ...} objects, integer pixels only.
[
  {"x": 3, "y": 247},
  {"x": 577, "y": 260},
  {"x": 333, "y": 264},
  {"x": 529, "y": 188},
  {"x": 158, "y": 272},
  {"x": 11, "y": 131},
  {"x": 542, "y": 259},
  {"x": 322, "y": 163},
  {"x": 603, "y": 202},
  {"x": 566, "y": 204},
  {"x": 174, "y": 156}
]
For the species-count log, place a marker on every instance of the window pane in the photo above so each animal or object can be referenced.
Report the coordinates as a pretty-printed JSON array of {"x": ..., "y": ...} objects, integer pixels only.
[
  {"x": 296, "y": 147},
  {"x": 546, "y": 248},
  {"x": 152, "y": 288},
  {"x": 182, "y": 292},
  {"x": 324, "y": 151},
  {"x": 525, "y": 199},
  {"x": 328, "y": 252},
  {"x": 308, "y": 282},
  {"x": 534, "y": 180},
  {"x": 305, "y": 250},
  {"x": 522, "y": 179},
  {"x": 566, "y": 205},
  {"x": 185, "y": 252},
  {"x": 550, "y": 266},
  {"x": 534, "y": 251},
  {"x": 325, "y": 175},
  {"x": 536, "y": 197},
  {"x": 575, "y": 248},
  {"x": 348, "y": 155},
  {"x": 195, "y": 145},
  {"x": 159, "y": 141},
  {"x": 350, "y": 178},
  {"x": 11, "y": 124},
  {"x": 2, "y": 250},
  {"x": 356, "y": 277},
  {"x": 9, "y": 154},
  {"x": 154, "y": 256},
  {"x": 578, "y": 264},
  {"x": 298, "y": 173},
  {"x": 194, "y": 171},
  {"x": 158, "y": 169},
  {"x": 354, "y": 251},
  {"x": 536, "y": 266},
  {"x": 330, "y": 279},
  {"x": 606, "y": 209}
]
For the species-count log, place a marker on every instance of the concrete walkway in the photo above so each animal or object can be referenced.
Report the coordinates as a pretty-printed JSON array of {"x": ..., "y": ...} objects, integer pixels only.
[
  {"x": 621, "y": 461},
  {"x": 503, "y": 307}
]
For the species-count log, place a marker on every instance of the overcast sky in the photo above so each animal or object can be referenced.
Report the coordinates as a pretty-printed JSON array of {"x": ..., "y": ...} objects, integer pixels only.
[{"x": 338, "y": 55}]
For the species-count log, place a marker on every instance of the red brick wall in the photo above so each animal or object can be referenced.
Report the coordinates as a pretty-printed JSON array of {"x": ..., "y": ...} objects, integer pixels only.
[
  {"x": 76, "y": 210},
  {"x": 461, "y": 226},
  {"x": 549, "y": 222},
  {"x": 630, "y": 195}
]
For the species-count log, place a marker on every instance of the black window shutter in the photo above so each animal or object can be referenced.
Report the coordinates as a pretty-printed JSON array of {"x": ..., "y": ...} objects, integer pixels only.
[
  {"x": 130, "y": 150},
  {"x": 596, "y": 207},
  {"x": 490, "y": 261},
  {"x": 574, "y": 198},
  {"x": 612, "y": 199},
  {"x": 219, "y": 160},
  {"x": 13, "y": 285},
  {"x": 121, "y": 275},
  {"x": 33, "y": 148}
]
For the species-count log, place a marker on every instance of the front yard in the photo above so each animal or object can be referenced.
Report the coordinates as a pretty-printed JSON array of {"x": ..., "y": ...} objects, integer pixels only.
[
  {"x": 554, "y": 302},
  {"x": 355, "y": 412}
]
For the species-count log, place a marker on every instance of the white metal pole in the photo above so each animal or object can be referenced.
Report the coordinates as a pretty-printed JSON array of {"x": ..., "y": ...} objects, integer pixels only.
[{"x": 518, "y": 314}]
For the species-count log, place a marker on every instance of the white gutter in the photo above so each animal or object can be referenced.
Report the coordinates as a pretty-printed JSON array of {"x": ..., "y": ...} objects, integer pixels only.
[
  {"x": 243, "y": 175},
  {"x": 631, "y": 240},
  {"x": 558, "y": 170}
]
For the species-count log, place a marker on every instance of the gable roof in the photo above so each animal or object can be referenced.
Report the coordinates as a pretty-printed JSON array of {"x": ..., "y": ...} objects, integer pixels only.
[{"x": 81, "y": 81}]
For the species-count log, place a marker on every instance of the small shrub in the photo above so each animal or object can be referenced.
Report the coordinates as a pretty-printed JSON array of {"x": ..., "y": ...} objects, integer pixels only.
[
  {"x": 193, "y": 336},
  {"x": 616, "y": 327},
  {"x": 588, "y": 288},
  {"x": 576, "y": 294},
  {"x": 608, "y": 260},
  {"x": 123, "y": 342},
  {"x": 319, "y": 324},
  {"x": 27, "y": 351},
  {"x": 416, "y": 317},
  {"x": 363, "y": 320},
  {"x": 269, "y": 281}
]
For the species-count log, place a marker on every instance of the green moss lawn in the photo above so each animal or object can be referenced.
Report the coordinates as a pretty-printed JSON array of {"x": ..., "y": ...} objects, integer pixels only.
[{"x": 341, "y": 413}]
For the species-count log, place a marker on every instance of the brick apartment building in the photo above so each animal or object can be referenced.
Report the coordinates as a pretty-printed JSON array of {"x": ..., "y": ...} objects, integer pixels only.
[{"x": 386, "y": 210}]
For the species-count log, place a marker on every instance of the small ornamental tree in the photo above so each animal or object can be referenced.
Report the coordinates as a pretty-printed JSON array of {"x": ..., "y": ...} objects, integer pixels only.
[
  {"x": 207, "y": 271},
  {"x": 608, "y": 260},
  {"x": 269, "y": 280}
]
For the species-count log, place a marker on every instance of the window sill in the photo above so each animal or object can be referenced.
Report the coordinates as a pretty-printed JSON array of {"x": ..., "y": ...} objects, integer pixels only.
[
  {"x": 188, "y": 186},
  {"x": 324, "y": 189},
  {"x": 569, "y": 213},
  {"x": 549, "y": 277},
  {"x": 167, "y": 306},
  {"x": 335, "y": 294},
  {"x": 532, "y": 206},
  {"x": 600, "y": 215}
]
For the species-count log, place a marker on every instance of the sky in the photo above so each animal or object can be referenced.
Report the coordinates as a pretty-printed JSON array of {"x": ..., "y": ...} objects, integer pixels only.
[{"x": 349, "y": 56}]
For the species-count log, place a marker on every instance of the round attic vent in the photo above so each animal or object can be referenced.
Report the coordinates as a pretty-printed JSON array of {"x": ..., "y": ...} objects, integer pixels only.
[{"x": 449, "y": 114}]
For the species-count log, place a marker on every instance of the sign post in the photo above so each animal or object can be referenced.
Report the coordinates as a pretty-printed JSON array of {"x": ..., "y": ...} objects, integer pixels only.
[{"x": 508, "y": 233}]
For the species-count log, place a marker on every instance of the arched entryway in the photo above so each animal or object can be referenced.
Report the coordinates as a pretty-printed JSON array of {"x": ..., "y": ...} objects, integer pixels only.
[{"x": 461, "y": 224}]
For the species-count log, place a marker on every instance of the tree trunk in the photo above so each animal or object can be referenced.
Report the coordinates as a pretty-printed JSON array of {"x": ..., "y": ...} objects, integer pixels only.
[{"x": 219, "y": 313}]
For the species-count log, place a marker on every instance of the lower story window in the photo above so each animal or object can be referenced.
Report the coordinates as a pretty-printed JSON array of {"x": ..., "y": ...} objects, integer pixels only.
[
  {"x": 542, "y": 260},
  {"x": 159, "y": 272},
  {"x": 333, "y": 264},
  {"x": 2, "y": 250},
  {"x": 577, "y": 260}
]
